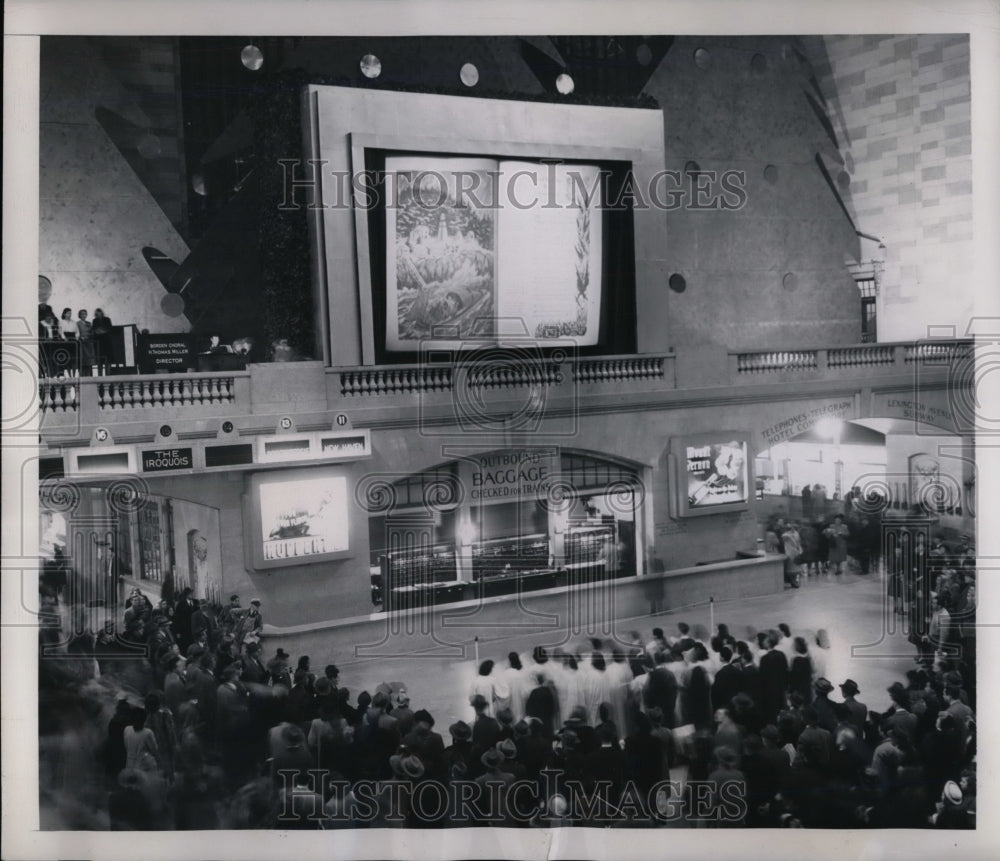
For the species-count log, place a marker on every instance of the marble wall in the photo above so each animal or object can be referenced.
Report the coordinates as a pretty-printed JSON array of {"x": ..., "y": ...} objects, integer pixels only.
[
  {"x": 96, "y": 214},
  {"x": 903, "y": 115},
  {"x": 770, "y": 271}
]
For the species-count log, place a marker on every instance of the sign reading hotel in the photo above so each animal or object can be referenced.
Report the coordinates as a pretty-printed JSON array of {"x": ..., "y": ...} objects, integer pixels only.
[
  {"x": 512, "y": 475},
  {"x": 800, "y": 422}
]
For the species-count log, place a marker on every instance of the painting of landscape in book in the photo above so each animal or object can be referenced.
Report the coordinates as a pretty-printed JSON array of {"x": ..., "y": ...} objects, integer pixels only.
[{"x": 445, "y": 257}]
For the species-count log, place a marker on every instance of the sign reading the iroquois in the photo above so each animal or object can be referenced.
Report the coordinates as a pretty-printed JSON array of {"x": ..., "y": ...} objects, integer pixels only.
[
  {"x": 165, "y": 460},
  {"x": 513, "y": 474},
  {"x": 804, "y": 419}
]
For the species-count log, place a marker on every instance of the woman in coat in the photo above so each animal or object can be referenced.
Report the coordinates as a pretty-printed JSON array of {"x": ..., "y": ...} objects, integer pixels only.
[
  {"x": 836, "y": 534},
  {"x": 140, "y": 743}
]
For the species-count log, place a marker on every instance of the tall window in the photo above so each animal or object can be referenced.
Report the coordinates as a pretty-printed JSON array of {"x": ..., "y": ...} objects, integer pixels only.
[{"x": 866, "y": 286}]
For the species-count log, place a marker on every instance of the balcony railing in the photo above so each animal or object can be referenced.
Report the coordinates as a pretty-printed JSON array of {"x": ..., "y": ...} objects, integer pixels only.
[
  {"x": 74, "y": 405},
  {"x": 395, "y": 380},
  {"x": 820, "y": 362},
  {"x": 68, "y": 403},
  {"x": 500, "y": 373}
]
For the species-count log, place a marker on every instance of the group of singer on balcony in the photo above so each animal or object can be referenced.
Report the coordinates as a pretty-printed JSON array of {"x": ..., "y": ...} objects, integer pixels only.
[{"x": 93, "y": 338}]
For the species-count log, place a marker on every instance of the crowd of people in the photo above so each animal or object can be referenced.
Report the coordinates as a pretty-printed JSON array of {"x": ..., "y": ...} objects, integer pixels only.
[
  {"x": 685, "y": 729},
  {"x": 91, "y": 337}
]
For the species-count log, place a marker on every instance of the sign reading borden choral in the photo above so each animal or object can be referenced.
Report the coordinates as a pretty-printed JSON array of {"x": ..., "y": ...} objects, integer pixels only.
[
  {"x": 514, "y": 474},
  {"x": 167, "y": 353}
]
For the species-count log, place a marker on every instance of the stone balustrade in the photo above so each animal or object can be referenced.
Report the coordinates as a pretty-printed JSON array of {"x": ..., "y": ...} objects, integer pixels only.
[
  {"x": 820, "y": 362},
  {"x": 74, "y": 404}
]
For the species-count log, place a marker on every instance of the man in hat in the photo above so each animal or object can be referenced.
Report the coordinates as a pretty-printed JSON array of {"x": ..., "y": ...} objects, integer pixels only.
[
  {"x": 299, "y": 707},
  {"x": 493, "y": 783},
  {"x": 505, "y": 717},
  {"x": 460, "y": 749},
  {"x": 951, "y": 811},
  {"x": 815, "y": 741},
  {"x": 225, "y": 654},
  {"x": 277, "y": 669},
  {"x": 204, "y": 625},
  {"x": 290, "y": 757},
  {"x": 395, "y": 802},
  {"x": 135, "y": 615},
  {"x": 202, "y": 684},
  {"x": 542, "y": 703},
  {"x": 401, "y": 711},
  {"x": 856, "y": 712},
  {"x": 773, "y": 680},
  {"x": 826, "y": 713},
  {"x": 250, "y": 623},
  {"x": 728, "y": 681},
  {"x": 183, "y": 611},
  {"x": 959, "y": 710},
  {"x": 510, "y": 764},
  {"x": 728, "y": 786},
  {"x": 606, "y": 767},
  {"x": 377, "y": 738},
  {"x": 422, "y": 741},
  {"x": 160, "y": 642},
  {"x": 485, "y": 729},
  {"x": 900, "y": 715},
  {"x": 174, "y": 684},
  {"x": 586, "y": 735},
  {"x": 254, "y": 670},
  {"x": 233, "y": 725}
]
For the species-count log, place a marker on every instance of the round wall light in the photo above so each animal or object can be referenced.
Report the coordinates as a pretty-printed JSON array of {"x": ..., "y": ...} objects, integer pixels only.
[{"x": 252, "y": 57}]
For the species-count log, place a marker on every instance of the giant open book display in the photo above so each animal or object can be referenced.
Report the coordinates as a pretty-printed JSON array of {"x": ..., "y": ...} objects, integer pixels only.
[
  {"x": 482, "y": 250},
  {"x": 396, "y": 274}
]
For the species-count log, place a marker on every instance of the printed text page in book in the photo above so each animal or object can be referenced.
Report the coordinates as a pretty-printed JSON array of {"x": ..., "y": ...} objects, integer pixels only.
[{"x": 550, "y": 246}]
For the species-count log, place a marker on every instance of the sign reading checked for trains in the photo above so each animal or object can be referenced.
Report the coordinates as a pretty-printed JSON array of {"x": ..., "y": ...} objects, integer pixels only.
[{"x": 166, "y": 459}]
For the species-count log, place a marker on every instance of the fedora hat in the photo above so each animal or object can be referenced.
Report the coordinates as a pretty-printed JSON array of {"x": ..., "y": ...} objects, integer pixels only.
[
  {"x": 849, "y": 688},
  {"x": 952, "y": 793},
  {"x": 823, "y": 686},
  {"x": 505, "y": 716},
  {"x": 408, "y": 766},
  {"x": 492, "y": 758},
  {"x": 460, "y": 730},
  {"x": 478, "y": 701},
  {"x": 507, "y": 748},
  {"x": 292, "y": 736}
]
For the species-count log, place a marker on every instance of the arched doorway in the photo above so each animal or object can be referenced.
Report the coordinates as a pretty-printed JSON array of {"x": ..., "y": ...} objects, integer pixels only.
[
  {"x": 506, "y": 520},
  {"x": 897, "y": 466}
]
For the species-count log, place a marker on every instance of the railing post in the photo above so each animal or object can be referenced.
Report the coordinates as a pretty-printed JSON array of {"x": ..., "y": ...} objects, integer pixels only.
[{"x": 89, "y": 408}]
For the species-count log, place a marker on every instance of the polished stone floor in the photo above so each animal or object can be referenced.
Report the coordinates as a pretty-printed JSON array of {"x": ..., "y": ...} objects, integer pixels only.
[{"x": 866, "y": 644}]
